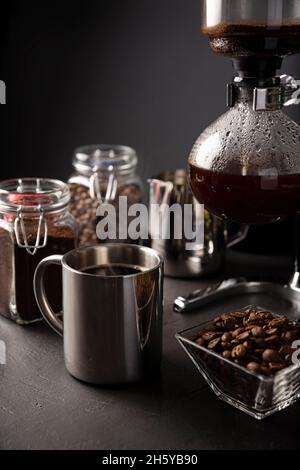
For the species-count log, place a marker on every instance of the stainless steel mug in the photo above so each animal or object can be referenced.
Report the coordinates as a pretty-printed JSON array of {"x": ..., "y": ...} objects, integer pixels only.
[
  {"x": 112, "y": 324},
  {"x": 172, "y": 187}
]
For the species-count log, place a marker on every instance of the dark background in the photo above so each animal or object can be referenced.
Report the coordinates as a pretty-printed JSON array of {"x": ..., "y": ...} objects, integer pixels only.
[{"x": 135, "y": 72}]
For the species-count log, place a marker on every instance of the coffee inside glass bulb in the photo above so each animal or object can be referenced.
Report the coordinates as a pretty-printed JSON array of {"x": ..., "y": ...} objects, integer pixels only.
[{"x": 250, "y": 199}]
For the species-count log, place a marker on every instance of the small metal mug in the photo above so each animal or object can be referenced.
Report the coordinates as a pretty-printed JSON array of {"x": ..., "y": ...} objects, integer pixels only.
[
  {"x": 112, "y": 325},
  {"x": 207, "y": 258}
]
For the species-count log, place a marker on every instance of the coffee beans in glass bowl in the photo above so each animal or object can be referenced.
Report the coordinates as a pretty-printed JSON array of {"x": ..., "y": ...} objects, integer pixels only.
[
  {"x": 253, "y": 338},
  {"x": 247, "y": 358}
]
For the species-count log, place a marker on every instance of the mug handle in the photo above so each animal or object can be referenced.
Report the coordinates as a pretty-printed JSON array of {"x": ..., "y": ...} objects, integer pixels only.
[{"x": 40, "y": 293}]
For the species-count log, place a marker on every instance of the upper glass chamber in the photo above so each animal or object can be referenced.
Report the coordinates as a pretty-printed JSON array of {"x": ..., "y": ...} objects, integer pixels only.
[{"x": 252, "y": 27}]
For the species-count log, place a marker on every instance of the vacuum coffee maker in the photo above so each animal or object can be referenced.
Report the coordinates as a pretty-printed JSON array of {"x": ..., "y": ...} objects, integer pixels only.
[{"x": 245, "y": 167}]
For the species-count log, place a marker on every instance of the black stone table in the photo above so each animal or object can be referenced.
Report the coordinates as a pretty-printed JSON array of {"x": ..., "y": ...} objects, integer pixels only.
[{"x": 43, "y": 407}]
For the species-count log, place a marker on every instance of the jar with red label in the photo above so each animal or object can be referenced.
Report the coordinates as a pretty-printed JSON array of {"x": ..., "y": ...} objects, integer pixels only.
[{"x": 35, "y": 222}]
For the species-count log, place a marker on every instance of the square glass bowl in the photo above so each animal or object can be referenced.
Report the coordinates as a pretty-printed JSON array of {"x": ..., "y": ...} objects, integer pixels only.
[{"x": 255, "y": 394}]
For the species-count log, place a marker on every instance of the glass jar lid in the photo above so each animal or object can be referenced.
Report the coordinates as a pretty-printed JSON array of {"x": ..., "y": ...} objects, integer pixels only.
[
  {"x": 118, "y": 159},
  {"x": 33, "y": 195}
]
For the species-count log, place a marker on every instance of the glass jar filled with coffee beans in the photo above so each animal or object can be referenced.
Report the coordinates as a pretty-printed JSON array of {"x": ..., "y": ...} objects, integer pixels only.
[
  {"x": 102, "y": 173},
  {"x": 35, "y": 222}
]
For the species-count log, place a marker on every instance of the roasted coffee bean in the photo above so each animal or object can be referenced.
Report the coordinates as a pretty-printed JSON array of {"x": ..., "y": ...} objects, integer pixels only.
[
  {"x": 209, "y": 335},
  {"x": 226, "y": 345},
  {"x": 272, "y": 331},
  {"x": 275, "y": 366},
  {"x": 237, "y": 332},
  {"x": 229, "y": 323},
  {"x": 254, "y": 318},
  {"x": 248, "y": 344},
  {"x": 259, "y": 322},
  {"x": 260, "y": 317},
  {"x": 289, "y": 336},
  {"x": 265, "y": 314},
  {"x": 253, "y": 366},
  {"x": 258, "y": 352},
  {"x": 248, "y": 327},
  {"x": 270, "y": 355},
  {"x": 243, "y": 336},
  {"x": 272, "y": 339},
  {"x": 213, "y": 343},
  {"x": 259, "y": 343},
  {"x": 258, "y": 332},
  {"x": 238, "y": 351},
  {"x": 284, "y": 350},
  {"x": 277, "y": 322},
  {"x": 239, "y": 315},
  {"x": 226, "y": 354},
  {"x": 226, "y": 337}
]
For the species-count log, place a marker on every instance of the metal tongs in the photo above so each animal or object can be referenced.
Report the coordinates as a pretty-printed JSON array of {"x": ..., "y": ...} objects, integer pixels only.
[{"x": 237, "y": 286}]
